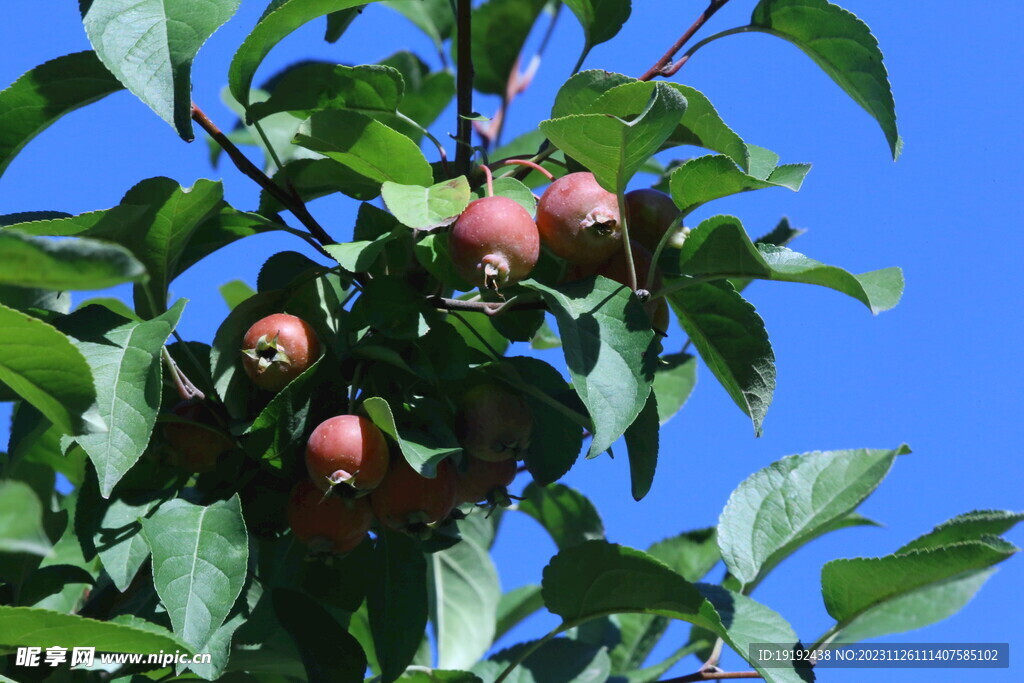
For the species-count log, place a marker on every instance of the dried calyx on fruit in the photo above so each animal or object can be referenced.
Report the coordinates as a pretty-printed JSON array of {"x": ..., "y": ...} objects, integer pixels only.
[
  {"x": 198, "y": 443},
  {"x": 347, "y": 451},
  {"x": 494, "y": 423},
  {"x": 277, "y": 349},
  {"x": 494, "y": 243},
  {"x": 410, "y": 502},
  {"x": 579, "y": 220},
  {"x": 481, "y": 481},
  {"x": 651, "y": 213},
  {"x": 327, "y": 523}
]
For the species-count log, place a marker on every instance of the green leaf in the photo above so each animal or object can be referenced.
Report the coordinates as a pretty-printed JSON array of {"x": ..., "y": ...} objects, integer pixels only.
[
  {"x": 21, "y": 520},
  {"x": 66, "y": 264},
  {"x": 427, "y": 94},
  {"x": 366, "y": 146},
  {"x": 427, "y": 208},
  {"x": 433, "y": 17},
  {"x": 601, "y": 20},
  {"x": 970, "y": 526},
  {"x": 730, "y": 337},
  {"x": 25, "y": 626},
  {"x": 329, "y": 652},
  {"x": 397, "y": 602},
  {"x": 915, "y": 609},
  {"x": 360, "y": 256},
  {"x": 642, "y": 446},
  {"x": 35, "y": 440},
  {"x": 42, "y": 366},
  {"x": 126, "y": 365},
  {"x": 493, "y": 60},
  {"x": 308, "y": 88},
  {"x": 37, "y": 302},
  {"x": 625, "y": 126},
  {"x": 516, "y": 605},
  {"x": 464, "y": 593},
  {"x": 609, "y": 350},
  {"x": 599, "y": 578},
  {"x": 842, "y": 45},
  {"x": 578, "y": 94},
  {"x": 46, "y": 93},
  {"x": 235, "y": 292},
  {"x": 433, "y": 254},
  {"x": 150, "y": 45},
  {"x": 561, "y": 660},
  {"x": 709, "y": 177},
  {"x": 565, "y": 513},
  {"x": 315, "y": 178},
  {"x": 279, "y": 428},
  {"x": 155, "y": 221},
  {"x": 118, "y": 538},
  {"x": 517, "y": 192},
  {"x": 674, "y": 380},
  {"x": 784, "y": 506},
  {"x": 273, "y": 27},
  {"x": 691, "y": 554},
  {"x": 338, "y": 23},
  {"x": 702, "y": 126},
  {"x": 220, "y": 229},
  {"x": 720, "y": 248},
  {"x": 853, "y": 587},
  {"x": 555, "y": 406},
  {"x": 199, "y": 564},
  {"x": 421, "y": 450}
]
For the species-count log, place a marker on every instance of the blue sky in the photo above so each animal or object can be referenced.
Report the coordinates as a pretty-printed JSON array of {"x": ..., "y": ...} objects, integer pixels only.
[{"x": 939, "y": 372}]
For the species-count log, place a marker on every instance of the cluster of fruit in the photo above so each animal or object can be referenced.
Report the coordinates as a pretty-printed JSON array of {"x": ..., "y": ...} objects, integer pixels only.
[
  {"x": 354, "y": 477},
  {"x": 496, "y": 242}
]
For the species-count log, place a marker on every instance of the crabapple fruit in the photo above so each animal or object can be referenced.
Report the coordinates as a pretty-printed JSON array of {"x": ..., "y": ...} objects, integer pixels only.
[
  {"x": 327, "y": 523},
  {"x": 579, "y": 220},
  {"x": 347, "y": 449},
  {"x": 277, "y": 349},
  {"x": 650, "y": 213},
  {"x": 494, "y": 423},
  {"x": 494, "y": 243},
  {"x": 484, "y": 481},
  {"x": 408, "y": 501},
  {"x": 197, "y": 446}
]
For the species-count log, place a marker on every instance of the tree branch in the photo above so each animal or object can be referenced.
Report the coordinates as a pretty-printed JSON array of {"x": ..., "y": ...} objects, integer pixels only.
[
  {"x": 290, "y": 200},
  {"x": 464, "y": 86},
  {"x": 664, "y": 66}
]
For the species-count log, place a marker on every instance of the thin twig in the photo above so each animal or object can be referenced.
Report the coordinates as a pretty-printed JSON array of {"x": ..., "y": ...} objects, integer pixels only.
[
  {"x": 485, "y": 307},
  {"x": 186, "y": 389},
  {"x": 663, "y": 66},
  {"x": 713, "y": 676},
  {"x": 290, "y": 200},
  {"x": 464, "y": 86}
]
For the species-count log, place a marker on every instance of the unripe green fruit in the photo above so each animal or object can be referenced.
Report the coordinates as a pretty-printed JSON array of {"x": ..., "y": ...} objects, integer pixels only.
[
  {"x": 579, "y": 220},
  {"x": 327, "y": 523},
  {"x": 494, "y": 243},
  {"x": 195, "y": 447},
  {"x": 277, "y": 349},
  {"x": 650, "y": 213},
  {"x": 347, "y": 449},
  {"x": 408, "y": 501},
  {"x": 494, "y": 423}
]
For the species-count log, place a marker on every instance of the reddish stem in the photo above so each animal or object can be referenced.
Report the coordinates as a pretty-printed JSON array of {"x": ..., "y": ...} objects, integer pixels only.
[
  {"x": 663, "y": 66},
  {"x": 535, "y": 166},
  {"x": 490, "y": 179}
]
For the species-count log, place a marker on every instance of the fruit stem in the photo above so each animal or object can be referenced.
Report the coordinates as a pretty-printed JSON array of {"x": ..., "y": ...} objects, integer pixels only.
[
  {"x": 490, "y": 179},
  {"x": 662, "y": 243},
  {"x": 186, "y": 389},
  {"x": 526, "y": 162},
  {"x": 464, "y": 85},
  {"x": 628, "y": 247}
]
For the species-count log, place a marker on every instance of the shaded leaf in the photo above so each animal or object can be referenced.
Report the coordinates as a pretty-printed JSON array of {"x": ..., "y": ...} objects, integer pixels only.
[
  {"x": 77, "y": 264},
  {"x": 601, "y": 20},
  {"x": 21, "y": 520},
  {"x": 45, "y": 94},
  {"x": 970, "y": 526},
  {"x": 516, "y": 605},
  {"x": 328, "y": 651},
  {"x": 731, "y": 339},
  {"x": 642, "y": 445},
  {"x": 397, "y": 602},
  {"x": 369, "y": 89},
  {"x": 493, "y": 60},
  {"x": 565, "y": 513},
  {"x": 25, "y": 626},
  {"x": 674, "y": 380},
  {"x": 709, "y": 177}
]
